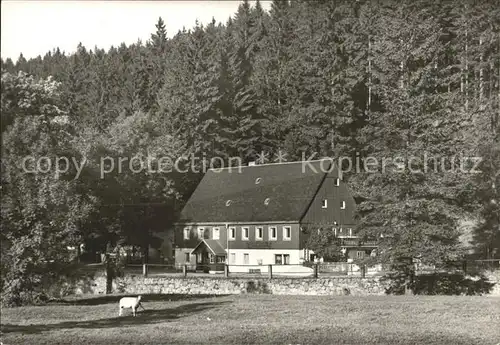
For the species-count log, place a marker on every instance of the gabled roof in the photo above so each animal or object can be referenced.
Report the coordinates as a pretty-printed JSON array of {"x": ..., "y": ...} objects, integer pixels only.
[
  {"x": 213, "y": 245},
  {"x": 239, "y": 194}
]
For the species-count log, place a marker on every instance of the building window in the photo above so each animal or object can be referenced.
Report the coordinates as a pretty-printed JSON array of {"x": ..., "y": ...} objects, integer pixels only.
[
  {"x": 341, "y": 232},
  {"x": 216, "y": 233},
  {"x": 246, "y": 259},
  {"x": 233, "y": 258},
  {"x": 273, "y": 233},
  {"x": 232, "y": 233},
  {"x": 267, "y": 201},
  {"x": 335, "y": 231},
  {"x": 287, "y": 233},
  {"x": 245, "y": 232},
  {"x": 228, "y": 202},
  {"x": 324, "y": 204},
  {"x": 201, "y": 233},
  {"x": 342, "y": 206},
  {"x": 212, "y": 259},
  {"x": 360, "y": 255},
  {"x": 282, "y": 259},
  {"x": 337, "y": 182},
  {"x": 257, "y": 180},
  {"x": 259, "y": 233},
  {"x": 350, "y": 232},
  {"x": 187, "y": 257},
  {"x": 186, "y": 233}
]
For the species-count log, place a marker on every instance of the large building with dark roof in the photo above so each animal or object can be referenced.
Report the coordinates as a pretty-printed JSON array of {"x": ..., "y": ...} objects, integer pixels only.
[{"x": 257, "y": 215}]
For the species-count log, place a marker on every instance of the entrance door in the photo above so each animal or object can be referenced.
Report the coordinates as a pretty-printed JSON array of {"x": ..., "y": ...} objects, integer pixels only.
[
  {"x": 204, "y": 262},
  {"x": 205, "y": 259}
]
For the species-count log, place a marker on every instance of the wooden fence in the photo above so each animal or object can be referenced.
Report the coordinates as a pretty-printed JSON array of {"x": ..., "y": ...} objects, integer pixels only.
[
  {"x": 269, "y": 271},
  {"x": 307, "y": 270}
]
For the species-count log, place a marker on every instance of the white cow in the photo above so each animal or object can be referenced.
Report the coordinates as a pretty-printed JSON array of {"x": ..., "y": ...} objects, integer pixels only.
[{"x": 130, "y": 302}]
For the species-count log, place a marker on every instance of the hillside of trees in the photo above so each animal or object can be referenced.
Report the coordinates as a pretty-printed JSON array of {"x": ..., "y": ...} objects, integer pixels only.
[{"x": 345, "y": 78}]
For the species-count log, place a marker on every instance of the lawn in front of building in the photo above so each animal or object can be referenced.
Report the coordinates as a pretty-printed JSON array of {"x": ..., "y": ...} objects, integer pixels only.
[{"x": 259, "y": 319}]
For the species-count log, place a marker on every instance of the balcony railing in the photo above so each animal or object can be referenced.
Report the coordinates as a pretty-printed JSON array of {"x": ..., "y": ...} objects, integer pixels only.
[{"x": 356, "y": 242}]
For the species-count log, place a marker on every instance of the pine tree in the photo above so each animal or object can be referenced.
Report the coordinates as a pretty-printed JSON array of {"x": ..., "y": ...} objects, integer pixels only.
[
  {"x": 244, "y": 40},
  {"x": 272, "y": 70},
  {"x": 483, "y": 132},
  {"x": 156, "y": 64},
  {"x": 142, "y": 59},
  {"x": 22, "y": 63},
  {"x": 7, "y": 65},
  {"x": 413, "y": 202},
  {"x": 159, "y": 39}
]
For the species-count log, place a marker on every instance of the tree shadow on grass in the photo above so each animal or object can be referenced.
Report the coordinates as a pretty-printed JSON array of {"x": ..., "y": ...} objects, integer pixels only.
[
  {"x": 147, "y": 316},
  {"x": 107, "y": 299}
]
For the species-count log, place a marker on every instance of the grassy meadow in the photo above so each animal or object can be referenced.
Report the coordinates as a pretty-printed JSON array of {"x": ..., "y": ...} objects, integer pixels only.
[{"x": 259, "y": 319}]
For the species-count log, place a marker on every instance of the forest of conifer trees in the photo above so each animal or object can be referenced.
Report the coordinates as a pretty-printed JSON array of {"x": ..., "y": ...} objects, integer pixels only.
[{"x": 350, "y": 79}]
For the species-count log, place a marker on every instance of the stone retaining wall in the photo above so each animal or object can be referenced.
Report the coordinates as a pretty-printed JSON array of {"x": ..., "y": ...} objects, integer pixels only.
[{"x": 221, "y": 286}]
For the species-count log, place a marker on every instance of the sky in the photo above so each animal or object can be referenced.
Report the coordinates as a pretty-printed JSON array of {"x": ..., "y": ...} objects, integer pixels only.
[{"x": 36, "y": 27}]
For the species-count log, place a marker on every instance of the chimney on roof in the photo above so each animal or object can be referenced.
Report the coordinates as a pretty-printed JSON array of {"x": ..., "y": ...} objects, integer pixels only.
[{"x": 251, "y": 164}]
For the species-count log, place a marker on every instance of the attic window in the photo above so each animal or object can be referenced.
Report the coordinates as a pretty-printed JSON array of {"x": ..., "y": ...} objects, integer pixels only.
[
  {"x": 342, "y": 206},
  {"x": 228, "y": 202},
  {"x": 266, "y": 202},
  {"x": 324, "y": 204},
  {"x": 337, "y": 181},
  {"x": 257, "y": 180}
]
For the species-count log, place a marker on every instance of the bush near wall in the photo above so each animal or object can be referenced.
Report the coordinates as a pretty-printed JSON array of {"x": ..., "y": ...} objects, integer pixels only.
[
  {"x": 441, "y": 283},
  {"x": 55, "y": 284}
]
